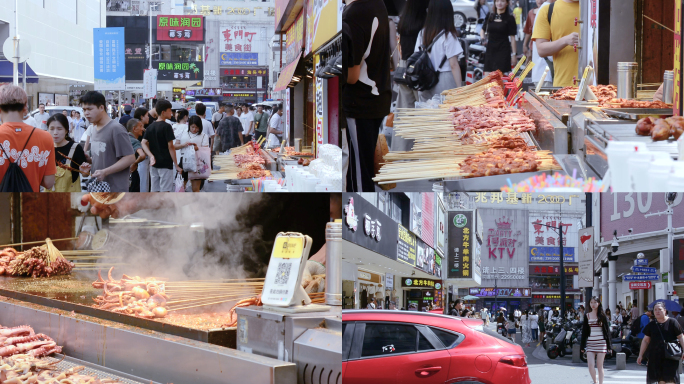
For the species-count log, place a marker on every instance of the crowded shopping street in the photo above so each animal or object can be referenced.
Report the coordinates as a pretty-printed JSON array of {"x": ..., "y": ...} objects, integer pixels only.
[
  {"x": 174, "y": 96},
  {"x": 477, "y": 280},
  {"x": 513, "y": 95}
]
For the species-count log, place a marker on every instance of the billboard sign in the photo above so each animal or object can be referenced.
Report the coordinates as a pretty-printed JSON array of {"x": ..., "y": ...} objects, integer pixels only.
[
  {"x": 585, "y": 250},
  {"x": 110, "y": 59},
  {"x": 180, "y": 28},
  {"x": 177, "y": 70},
  {"x": 545, "y": 241},
  {"x": 239, "y": 58}
]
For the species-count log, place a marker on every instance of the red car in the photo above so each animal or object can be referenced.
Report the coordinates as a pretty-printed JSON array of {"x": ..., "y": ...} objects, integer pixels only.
[{"x": 414, "y": 347}]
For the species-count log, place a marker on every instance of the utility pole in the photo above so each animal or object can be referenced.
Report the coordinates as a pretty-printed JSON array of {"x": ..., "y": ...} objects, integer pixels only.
[
  {"x": 16, "y": 43},
  {"x": 562, "y": 271}
]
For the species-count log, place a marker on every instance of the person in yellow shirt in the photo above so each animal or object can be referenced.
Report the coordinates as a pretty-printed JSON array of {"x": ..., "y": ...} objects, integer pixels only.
[
  {"x": 517, "y": 12},
  {"x": 558, "y": 39}
]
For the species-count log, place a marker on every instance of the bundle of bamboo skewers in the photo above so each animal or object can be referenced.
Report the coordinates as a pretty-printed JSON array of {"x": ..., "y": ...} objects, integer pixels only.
[
  {"x": 475, "y": 94},
  {"x": 228, "y": 167}
]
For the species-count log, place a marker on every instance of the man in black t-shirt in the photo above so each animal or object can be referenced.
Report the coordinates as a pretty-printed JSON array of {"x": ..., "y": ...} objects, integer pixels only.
[
  {"x": 158, "y": 144},
  {"x": 367, "y": 94}
]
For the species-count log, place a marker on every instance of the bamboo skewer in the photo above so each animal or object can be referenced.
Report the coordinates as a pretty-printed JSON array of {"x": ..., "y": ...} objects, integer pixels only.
[
  {"x": 37, "y": 242},
  {"x": 207, "y": 304}
]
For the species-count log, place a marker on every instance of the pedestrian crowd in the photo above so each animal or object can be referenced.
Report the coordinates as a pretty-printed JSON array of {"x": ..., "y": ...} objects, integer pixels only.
[
  {"x": 158, "y": 150},
  {"x": 397, "y": 57}
]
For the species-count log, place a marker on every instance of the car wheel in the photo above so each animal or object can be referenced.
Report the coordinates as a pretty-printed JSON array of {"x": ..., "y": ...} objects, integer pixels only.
[{"x": 459, "y": 19}]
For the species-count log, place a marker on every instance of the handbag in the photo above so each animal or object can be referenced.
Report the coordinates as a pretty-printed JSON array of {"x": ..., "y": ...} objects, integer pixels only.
[
  {"x": 673, "y": 351},
  {"x": 399, "y": 72},
  {"x": 203, "y": 155}
]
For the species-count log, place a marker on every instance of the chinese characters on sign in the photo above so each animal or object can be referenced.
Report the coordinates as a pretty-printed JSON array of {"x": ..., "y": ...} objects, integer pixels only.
[
  {"x": 372, "y": 227},
  {"x": 461, "y": 239},
  {"x": 179, "y": 70},
  {"x": 502, "y": 240},
  {"x": 406, "y": 246},
  {"x": 545, "y": 241},
  {"x": 515, "y": 198},
  {"x": 135, "y": 52},
  {"x": 552, "y": 270},
  {"x": 295, "y": 38},
  {"x": 206, "y": 10},
  {"x": 504, "y": 246},
  {"x": 502, "y": 292},
  {"x": 187, "y": 28},
  {"x": 242, "y": 72},
  {"x": 239, "y": 38},
  {"x": 410, "y": 282},
  {"x": 109, "y": 59}
]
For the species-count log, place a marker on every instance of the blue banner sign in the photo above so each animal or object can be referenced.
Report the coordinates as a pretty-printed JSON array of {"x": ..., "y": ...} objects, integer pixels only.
[
  {"x": 641, "y": 277},
  {"x": 232, "y": 58},
  {"x": 644, "y": 270},
  {"x": 552, "y": 254},
  {"x": 641, "y": 262},
  {"x": 110, "y": 59}
]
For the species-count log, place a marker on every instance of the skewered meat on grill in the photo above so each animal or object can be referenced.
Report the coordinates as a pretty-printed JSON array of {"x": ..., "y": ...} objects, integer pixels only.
[
  {"x": 644, "y": 126},
  {"x": 304, "y": 162},
  {"x": 661, "y": 130},
  {"x": 625, "y": 103},
  {"x": 242, "y": 159},
  {"x": 676, "y": 126},
  {"x": 31, "y": 369},
  {"x": 499, "y": 162},
  {"x": 490, "y": 118},
  {"x": 36, "y": 262},
  {"x": 604, "y": 93},
  {"x": 23, "y": 339},
  {"x": 249, "y": 174},
  {"x": 132, "y": 295},
  {"x": 251, "y": 166}
]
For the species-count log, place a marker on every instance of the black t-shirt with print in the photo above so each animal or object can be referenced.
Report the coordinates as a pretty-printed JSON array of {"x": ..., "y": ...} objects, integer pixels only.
[
  {"x": 158, "y": 135},
  {"x": 371, "y": 96}
]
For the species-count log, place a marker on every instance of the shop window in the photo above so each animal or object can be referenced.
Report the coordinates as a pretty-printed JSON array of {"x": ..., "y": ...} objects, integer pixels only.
[
  {"x": 388, "y": 339},
  {"x": 447, "y": 338}
]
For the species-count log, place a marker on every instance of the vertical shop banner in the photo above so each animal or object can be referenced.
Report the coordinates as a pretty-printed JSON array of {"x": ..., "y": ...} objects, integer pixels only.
[
  {"x": 406, "y": 246},
  {"x": 427, "y": 232},
  {"x": 286, "y": 112},
  {"x": 677, "y": 97},
  {"x": 678, "y": 260},
  {"x": 150, "y": 84},
  {"x": 460, "y": 250},
  {"x": 280, "y": 6},
  {"x": 320, "y": 105},
  {"x": 180, "y": 28},
  {"x": 212, "y": 48},
  {"x": 110, "y": 59},
  {"x": 438, "y": 266},
  {"x": 545, "y": 241},
  {"x": 295, "y": 38},
  {"x": 505, "y": 247},
  {"x": 441, "y": 227},
  {"x": 585, "y": 250}
]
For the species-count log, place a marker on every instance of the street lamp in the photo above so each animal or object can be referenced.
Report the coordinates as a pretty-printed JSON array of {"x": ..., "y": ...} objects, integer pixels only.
[{"x": 562, "y": 268}]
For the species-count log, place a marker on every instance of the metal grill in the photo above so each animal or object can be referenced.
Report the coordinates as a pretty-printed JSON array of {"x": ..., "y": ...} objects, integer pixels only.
[{"x": 94, "y": 370}]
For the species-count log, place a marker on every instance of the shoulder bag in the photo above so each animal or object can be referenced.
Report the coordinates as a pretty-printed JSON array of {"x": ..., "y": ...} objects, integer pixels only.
[{"x": 673, "y": 351}]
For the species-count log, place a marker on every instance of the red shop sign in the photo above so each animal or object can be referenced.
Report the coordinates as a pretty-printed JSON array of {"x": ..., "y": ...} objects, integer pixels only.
[
  {"x": 183, "y": 28},
  {"x": 247, "y": 71},
  {"x": 639, "y": 285}
]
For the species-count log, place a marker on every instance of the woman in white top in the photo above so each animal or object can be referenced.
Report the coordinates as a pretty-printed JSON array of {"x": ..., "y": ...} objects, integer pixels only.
[
  {"x": 526, "y": 328},
  {"x": 179, "y": 127},
  {"x": 439, "y": 27},
  {"x": 275, "y": 128},
  {"x": 534, "y": 326},
  {"x": 195, "y": 137}
]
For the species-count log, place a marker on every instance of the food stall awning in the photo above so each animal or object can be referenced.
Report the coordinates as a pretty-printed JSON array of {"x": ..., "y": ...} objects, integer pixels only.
[
  {"x": 286, "y": 75},
  {"x": 7, "y": 72}
]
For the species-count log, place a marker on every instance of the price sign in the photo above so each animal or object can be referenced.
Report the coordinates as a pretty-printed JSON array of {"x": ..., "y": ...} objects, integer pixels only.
[{"x": 282, "y": 286}]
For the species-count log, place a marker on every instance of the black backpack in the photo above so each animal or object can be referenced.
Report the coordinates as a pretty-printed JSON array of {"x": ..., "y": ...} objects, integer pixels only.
[
  {"x": 420, "y": 73},
  {"x": 635, "y": 328},
  {"x": 15, "y": 180}
]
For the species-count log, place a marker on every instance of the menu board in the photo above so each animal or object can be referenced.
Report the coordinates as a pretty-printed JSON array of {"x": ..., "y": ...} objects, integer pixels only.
[{"x": 406, "y": 246}]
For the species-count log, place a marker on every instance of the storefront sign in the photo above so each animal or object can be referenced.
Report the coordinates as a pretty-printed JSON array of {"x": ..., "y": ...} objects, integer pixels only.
[
  {"x": 651, "y": 276},
  {"x": 280, "y": 6},
  {"x": 109, "y": 59},
  {"x": 441, "y": 227},
  {"x": 380, "y": 226},
  {"x": 174, "y": 70},
  {"x": 207, "y": 10},
  {"x": 150, "y": 83},
  {"x": 419, "y": 283},
  {"x": 320, "y": 103},
  {"x": 325, "y": 21},
  {"x": 364, "y": 276},
  {"x": 678, "y": 260},
  {"x": 244, "y": 72},
  {"x": 525, "y": 198},
  {"x": 461, "y": 239},
  {"x": 585, "y": 251},
  {"x": 505, "y": 247},
  {"x": 239, "y": 38},
  {"x": 640, "y": 285},
  {"x": 239, "y": 58},
  {"x": 406, "y": 246},
  {"x": 389, "y": 281},
  {"x": 295, "y": 38},
  {"x": 135, "y": 52},
  {"x": 206, "y": 92},
  {"x": 238, "y": 94},
  {"x": 644, "y": 270},
  {"x": 545, "y": 241},
  {"x": 546, "y": 299},
  {"x": 183, "y": 28},
  {"x": 624, "y": 211},
  {"x": 552, "y": 270},
  {"x": 178, "y": 90},
  {"x": 502, "y": 292}
]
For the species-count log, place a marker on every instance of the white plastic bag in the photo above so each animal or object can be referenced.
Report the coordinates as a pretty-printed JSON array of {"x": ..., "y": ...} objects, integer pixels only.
[
  {"x": 179, "y": 183},
  {"x": 189, "y": 159}
]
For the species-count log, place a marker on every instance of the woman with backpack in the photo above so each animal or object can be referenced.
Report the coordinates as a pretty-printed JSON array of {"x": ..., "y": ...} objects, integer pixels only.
[
  {"x": 439, "y": 38},
  {"x": 498, "y": 34}
]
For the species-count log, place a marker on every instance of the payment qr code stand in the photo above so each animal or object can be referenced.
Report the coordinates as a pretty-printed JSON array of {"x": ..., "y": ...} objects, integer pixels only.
[{"x": 288, "y": 326}]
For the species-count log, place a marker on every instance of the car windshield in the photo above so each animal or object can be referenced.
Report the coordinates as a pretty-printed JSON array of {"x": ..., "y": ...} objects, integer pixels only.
[{"x": 491, "y": 333}]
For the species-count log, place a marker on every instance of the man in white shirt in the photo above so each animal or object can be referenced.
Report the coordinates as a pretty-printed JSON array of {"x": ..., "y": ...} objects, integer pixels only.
[
  {"x": 275, "y": 128},
  {"x": 28, "y": 119},
  {"x": 41, "y": 117},
  {"x": 247, "y": 120}
]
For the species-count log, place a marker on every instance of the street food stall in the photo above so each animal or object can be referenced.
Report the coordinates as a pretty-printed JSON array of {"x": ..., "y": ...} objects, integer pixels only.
[{"x": 93, "y": 317}]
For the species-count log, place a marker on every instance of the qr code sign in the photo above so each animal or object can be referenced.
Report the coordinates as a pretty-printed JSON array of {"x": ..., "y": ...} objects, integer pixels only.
[{"x": 283, "y": 273}]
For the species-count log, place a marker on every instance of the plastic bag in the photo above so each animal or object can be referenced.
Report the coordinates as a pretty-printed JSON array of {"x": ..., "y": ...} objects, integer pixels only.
[
  {"x": 178, "y": 183},
  {"x": 203, "y": 156},
  {"x": 189, "y": 159}
]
